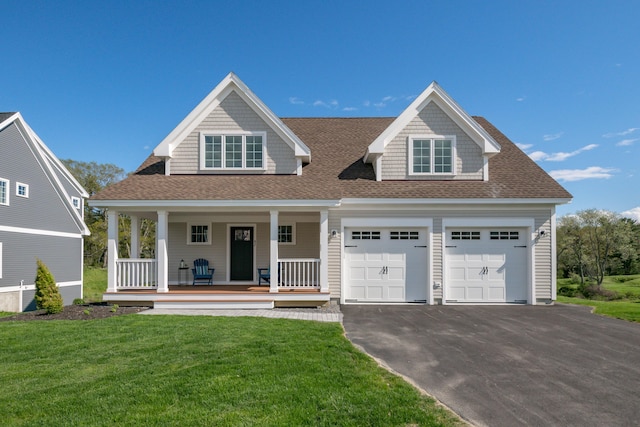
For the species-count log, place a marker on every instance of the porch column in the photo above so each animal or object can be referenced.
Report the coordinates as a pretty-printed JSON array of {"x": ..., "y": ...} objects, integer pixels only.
[
  {"x": 135, "y": 237},
  {"x": 324, "y": 251},
  {"x": 162, "y": 231},
  {"x": 273, "y": 252},
  {"x": 112, "y": 250}
]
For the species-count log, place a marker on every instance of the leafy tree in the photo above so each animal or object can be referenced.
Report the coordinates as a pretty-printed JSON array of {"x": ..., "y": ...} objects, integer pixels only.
[
  {"x": 593, "y": 242},
  {"x": 94, "y": 177},
  {"x": 47, "y": 293}
]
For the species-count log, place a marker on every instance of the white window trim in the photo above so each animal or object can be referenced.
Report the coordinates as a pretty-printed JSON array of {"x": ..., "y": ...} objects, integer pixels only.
[
  {"x": 26, "y": 190},
  {"x": 75, "y": 199},
  {"x": 225, "y": 133},
  {"x": 194, "y": 224},
  {"x": 7, "y": 187},
  {"x": 293, "y": 234},
  {"x": 432, "y": 138}
]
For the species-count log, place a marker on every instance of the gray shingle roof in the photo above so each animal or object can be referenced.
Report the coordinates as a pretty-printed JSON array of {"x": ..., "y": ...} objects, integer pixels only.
[{"x": 337, "y": 171}]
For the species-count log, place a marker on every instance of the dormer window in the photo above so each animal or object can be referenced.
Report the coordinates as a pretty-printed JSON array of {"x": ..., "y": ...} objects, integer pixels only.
[
  {"x": 232, "y": 151},
  {"x": 432, "y": 155}
]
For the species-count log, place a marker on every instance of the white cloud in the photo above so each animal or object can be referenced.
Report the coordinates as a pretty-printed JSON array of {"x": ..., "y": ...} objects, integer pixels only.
[
  {"x": 538, "y": 155},
  {"x": 349, "y": 109},
  {"x": 146, "y": 147},
  {"x": 379, "y": 104},
  {"x": 366, "y": 103},
  {"x": 623, "y": 133},
  {"x": 520, "y": 99},
  {"x": 633, "y": 213},
  {"x": 295, "y": 101},
  {"x": 334, "y": 103},
  {"x": 552, "y": 136},
  {"x": 319, "y": 103},
  {"x": 524, "y": 147},
  {"x": 388, "y": 99},
  {"x": 593, "y": 172},
  {"x": 626, "y": 142},
  {"x": 559, "y": 156}
]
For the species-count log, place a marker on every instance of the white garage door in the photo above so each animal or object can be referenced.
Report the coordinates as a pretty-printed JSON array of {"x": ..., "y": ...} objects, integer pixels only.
[
  {"x": 488, "y": 265},
  {"x": 385, "y": 265}
]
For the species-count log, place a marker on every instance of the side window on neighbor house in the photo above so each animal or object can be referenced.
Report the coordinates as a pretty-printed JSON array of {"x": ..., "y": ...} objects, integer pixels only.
[
  {"x": 198, "y": 234},
  {"x": 431, "y": 155},
  {"x": 22, "y": 190},
  {"x": 226, "y": 151},
  {"x": 76, "y": 202},
  {"x": 4, "y": 192}
]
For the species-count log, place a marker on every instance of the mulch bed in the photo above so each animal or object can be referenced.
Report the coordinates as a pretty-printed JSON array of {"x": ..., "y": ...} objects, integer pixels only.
[{"x": 76, "y": 312}]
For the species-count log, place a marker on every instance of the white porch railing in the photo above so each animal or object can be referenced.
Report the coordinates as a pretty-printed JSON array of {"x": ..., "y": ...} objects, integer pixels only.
[
  {"x": 136, "y": 273},
  {"x": 299, "y": 272}
]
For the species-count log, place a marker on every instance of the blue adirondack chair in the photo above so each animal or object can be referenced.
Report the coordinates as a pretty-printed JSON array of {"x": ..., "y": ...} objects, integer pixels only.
[
  {"x": 201, "y": 271},
  {"x": 264, "y": 274}
]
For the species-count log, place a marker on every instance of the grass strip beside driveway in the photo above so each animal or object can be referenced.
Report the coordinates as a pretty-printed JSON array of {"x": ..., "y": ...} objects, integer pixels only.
[{"x": 183, "y": 370}]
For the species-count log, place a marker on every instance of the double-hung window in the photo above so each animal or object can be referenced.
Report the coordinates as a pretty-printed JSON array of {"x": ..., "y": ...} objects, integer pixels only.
[
  {"x": 232, "y": 151},
  {"x": 4, "y": 192},
  {"x": 431, "y": 155}
]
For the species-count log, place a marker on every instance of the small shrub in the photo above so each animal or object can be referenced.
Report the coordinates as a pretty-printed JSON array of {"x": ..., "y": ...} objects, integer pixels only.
[
  {"x": 78, "y": 301},
  {"x": 87, "y": 311},
  {"x": 47, "y": 293},
  {"x": 599, "y": 293},
  {"x": 567, "y": 291},
  {"x": 114, "y": 308}
]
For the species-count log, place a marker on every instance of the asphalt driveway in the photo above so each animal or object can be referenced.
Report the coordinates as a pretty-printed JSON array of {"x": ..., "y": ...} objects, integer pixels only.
[{"x": 510, "y": 365}]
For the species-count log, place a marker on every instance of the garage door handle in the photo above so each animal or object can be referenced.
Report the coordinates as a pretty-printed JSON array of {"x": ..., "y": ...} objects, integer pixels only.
[
  {"x": 450, "y": 246},
  {"x": 350, "y": 246},
  {"x": 420, "y": 246},
  {"x": 524, "y": 246}
]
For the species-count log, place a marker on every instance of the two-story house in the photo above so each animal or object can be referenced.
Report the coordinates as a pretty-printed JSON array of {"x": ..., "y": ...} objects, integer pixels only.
[
  {"x": 41, "y": 216},
  {"x": 433, "y": 206}
]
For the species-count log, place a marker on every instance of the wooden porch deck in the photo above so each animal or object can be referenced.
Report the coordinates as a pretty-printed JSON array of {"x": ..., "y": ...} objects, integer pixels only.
[{"x": 219, "y": 296}]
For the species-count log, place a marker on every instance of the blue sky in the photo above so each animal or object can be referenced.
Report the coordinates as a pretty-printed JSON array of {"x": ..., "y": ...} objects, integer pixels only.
[{"x": 107, "y": 81}]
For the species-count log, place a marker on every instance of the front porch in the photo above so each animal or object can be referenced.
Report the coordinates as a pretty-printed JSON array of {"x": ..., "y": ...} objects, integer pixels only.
[
  {"x": 293, "y": 246},
  {"x": 220, "y": 297}
]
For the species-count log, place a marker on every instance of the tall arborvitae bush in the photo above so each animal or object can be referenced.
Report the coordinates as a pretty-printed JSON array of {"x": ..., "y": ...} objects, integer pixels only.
[{"x": 48, "y": 296}]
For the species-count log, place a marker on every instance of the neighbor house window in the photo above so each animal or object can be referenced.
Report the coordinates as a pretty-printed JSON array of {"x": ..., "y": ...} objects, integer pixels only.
[
  {"x": 76, "y": 202},
  {"x": 431, "y": 155},
  {"x": 4, "y": 192},
  {"x": 22, "y": 190},
  {"x": 232, "y": 151},
  {"x": 198, "y": 234},
  {"x": 286, "y": 234}
]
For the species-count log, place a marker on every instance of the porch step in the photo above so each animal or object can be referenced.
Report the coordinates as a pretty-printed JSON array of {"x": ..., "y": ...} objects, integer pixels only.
[{"x": 214, "y": 304}]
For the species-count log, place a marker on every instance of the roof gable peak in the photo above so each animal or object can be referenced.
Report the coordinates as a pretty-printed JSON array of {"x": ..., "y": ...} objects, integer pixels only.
[
  {"x": 436, "y": 94},
  {"x": 231, "y": 83}
]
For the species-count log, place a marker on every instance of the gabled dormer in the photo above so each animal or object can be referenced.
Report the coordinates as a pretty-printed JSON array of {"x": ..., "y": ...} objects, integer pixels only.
[
  {"x": 232, "y": 131},
  {"x": 433, "y": 139}
]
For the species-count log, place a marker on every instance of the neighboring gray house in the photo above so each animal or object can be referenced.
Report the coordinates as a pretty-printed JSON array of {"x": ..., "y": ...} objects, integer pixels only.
[
  {"x": 433, "y": 206},
  {"x": 41, "y": 216}
]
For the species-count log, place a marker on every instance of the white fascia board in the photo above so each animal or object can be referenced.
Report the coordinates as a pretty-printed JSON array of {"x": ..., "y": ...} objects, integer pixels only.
[
  {"x": 431, "y": 202},
  {"x": 178, "y": 204},
  {"x": 433, "y": 93},
  {"x": 10, "y": 120},
  {"x": 229, "y": 84},
  {"x": 38, "y": 149}
]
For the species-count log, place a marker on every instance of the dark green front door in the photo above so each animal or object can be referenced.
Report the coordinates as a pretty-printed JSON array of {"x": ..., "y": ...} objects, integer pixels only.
[{"x": 242, "y": 253}]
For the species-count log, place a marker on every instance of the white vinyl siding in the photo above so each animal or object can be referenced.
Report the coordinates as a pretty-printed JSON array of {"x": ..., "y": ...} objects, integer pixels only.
[
  {"x": 4, "y": 192},
  {"x": 0, "y": 260}
]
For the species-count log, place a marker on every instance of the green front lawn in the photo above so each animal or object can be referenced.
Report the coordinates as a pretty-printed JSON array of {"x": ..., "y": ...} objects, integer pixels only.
[
  {"x": 198, "y": 370},
  {"x": 94, "y": 283},
  {"x": 627, "y": 307}
]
